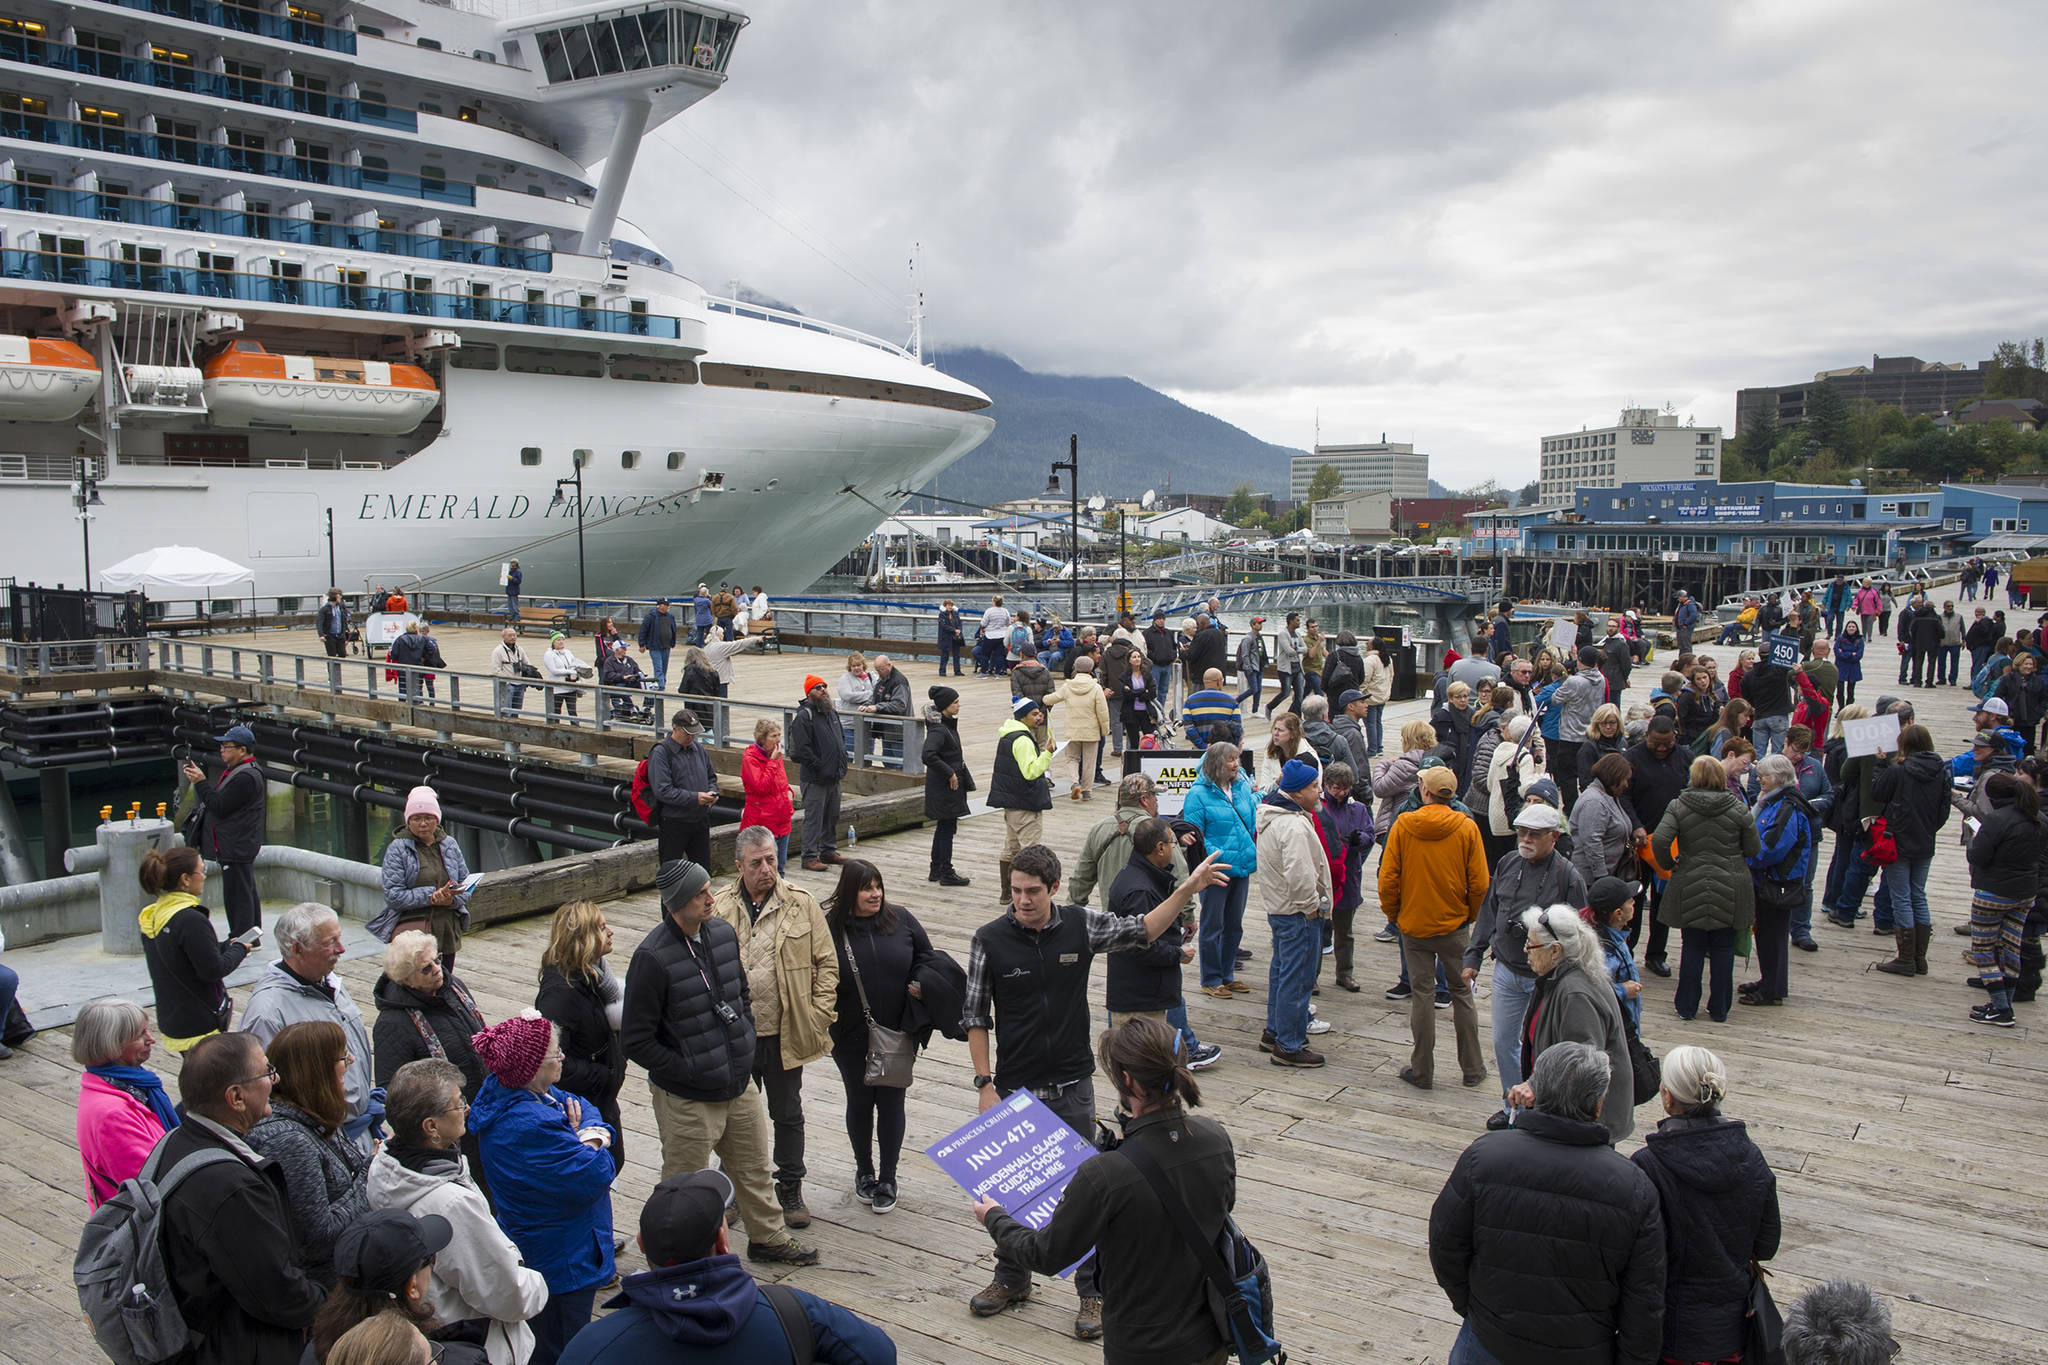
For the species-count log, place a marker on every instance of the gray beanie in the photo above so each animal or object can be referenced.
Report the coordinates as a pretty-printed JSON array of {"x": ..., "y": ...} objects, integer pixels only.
[{"x": 680, "y": 880}]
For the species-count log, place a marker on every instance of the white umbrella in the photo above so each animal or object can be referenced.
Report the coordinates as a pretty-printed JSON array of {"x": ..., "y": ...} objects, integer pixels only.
[{"x": 182, "y": 569}]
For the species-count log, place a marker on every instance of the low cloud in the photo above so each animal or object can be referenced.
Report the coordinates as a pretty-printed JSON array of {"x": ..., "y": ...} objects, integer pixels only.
[{"x": 1464, "y": 224}]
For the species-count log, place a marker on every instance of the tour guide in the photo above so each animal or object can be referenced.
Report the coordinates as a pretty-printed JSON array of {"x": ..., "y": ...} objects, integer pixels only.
[
  {"x": 1018, "y": 787},
  {"x": 1027, "y": 978}
]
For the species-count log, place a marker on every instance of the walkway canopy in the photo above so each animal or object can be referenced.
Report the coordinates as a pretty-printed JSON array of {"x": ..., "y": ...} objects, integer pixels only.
[{"x": 180, "y": 571}]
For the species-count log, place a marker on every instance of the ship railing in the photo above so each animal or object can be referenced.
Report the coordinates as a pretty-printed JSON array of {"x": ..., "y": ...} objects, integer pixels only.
[
  {"x": 248, "y": 19},
  {"x": 739, "y": 308},
  {"x": 101, "y": 137},
  {"x": 32, "y": 197},
  {"x": 895, "y": 743},
  {"x": 105, "y": 273},
  {"x": 196, "y": 80}
]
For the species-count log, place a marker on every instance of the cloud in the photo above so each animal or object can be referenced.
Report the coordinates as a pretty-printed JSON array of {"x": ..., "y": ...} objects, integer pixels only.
[{"x": 1470, "y": 224}]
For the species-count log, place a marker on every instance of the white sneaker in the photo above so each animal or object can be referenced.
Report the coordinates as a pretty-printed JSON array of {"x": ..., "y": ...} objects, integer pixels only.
[{"x": 1318, "y": 1025}]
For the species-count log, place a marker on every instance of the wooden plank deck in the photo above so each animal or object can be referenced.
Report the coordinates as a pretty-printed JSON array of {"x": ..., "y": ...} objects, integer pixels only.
[{"x": 1909, "y": 1143}]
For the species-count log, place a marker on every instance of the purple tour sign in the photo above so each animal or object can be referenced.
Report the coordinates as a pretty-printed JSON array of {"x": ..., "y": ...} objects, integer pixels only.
[{"x": 1019, "y": 1154}]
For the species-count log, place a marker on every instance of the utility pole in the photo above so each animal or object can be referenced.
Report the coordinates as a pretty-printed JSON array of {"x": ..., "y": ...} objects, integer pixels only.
[
  {"x": 332, "y": 581},
  {"x": 1072, "y": 464}
]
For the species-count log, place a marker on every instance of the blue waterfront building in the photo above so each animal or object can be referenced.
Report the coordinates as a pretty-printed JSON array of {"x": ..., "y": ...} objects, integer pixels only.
[{"x": 1817, "y": 524}]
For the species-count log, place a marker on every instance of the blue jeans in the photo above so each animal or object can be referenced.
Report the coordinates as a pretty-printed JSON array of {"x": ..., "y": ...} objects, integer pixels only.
[
  {"x": 949, "y": 649},
  {"x": 1712, "y": 951},
  {"x": 1466, "y": 1350},
  {"x": 1510, "y": 1004},
  {"x": 1223, "y": 929},
  {"x": 1375, "y": 737},
  {"x": 781, "y": 853},
  {"x": 1903, "y": 893},
  {"x": 657, "y": 664},
  {"x": 1297, "y": 952},
  {"x": 1768, "y": 734},
  {"x": 512, "y": 606},
  {"x": 1802, "y": 918},
  {"x": 1162, "y": 689},
  {"x": 1848, "y": 877},
  {"x": 1947, "y": 663},
  {"x": 10, "y": 984},
  {"x": 1258, "y": 681},
  {"x": 1178, "y": 1018}
]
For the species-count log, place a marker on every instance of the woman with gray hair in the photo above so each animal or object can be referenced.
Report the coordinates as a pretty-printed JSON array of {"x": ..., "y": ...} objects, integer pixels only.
[
  {"x": 1223, "y": 805},
  {"x": 123, "y": 1111},
  {"x": 423, "y": 1012},
  {"x": 1574, "y": 1003},
  {"x": 1779, "y": 870},
  {"x": 1720, "y": 1203}
]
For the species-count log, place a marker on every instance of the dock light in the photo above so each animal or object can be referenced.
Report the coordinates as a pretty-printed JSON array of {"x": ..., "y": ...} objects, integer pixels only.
[
  {"x": 106, "y": 812},
  {"x": 162, "y": 808}
]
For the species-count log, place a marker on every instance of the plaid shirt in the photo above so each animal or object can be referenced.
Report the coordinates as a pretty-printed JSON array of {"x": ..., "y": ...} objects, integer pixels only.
[{"x": 1106, "y": 933}]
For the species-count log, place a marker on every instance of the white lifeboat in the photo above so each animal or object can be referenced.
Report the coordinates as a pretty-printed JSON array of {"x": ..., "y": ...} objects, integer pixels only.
[
  {"x": 44, "y": 380},
  {"x": 247, "y": 386}
]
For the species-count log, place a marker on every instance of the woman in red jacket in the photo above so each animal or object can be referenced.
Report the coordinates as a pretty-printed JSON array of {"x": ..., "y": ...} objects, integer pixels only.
[{"x": 767, "y": 784}]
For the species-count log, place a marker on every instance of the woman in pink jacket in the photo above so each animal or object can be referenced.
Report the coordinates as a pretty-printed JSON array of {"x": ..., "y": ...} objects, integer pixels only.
[
  {"x": 123, "y": 1110},
  {"x": 1868, "y": 603}
]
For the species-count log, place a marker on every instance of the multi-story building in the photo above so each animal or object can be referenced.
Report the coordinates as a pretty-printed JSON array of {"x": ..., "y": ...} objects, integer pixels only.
[
  {"x": 1818, "y": 524},
  {"x": 1644, "y": 446},
  {"x": 1903, "y": 381},
  {"x": 1394, "y": 466}
]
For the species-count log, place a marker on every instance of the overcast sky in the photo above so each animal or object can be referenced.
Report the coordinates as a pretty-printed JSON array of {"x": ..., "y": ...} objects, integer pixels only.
[{"x": 1466, "y": 225}]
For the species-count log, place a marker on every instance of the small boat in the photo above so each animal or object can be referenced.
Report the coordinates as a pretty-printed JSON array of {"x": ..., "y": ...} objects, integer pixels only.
[
  {"x": 44, "y": 380},
  {"x": 247, "y": 386}
]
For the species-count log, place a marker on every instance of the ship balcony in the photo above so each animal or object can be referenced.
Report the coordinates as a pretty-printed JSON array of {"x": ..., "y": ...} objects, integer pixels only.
[
  {"x": 31, "y": 197},
  {"x": 295, "y": 25},
  {"x": 194, "y": 80},
  {"x": 103, "y": 137},
  {"x": 293, "y": 291}
]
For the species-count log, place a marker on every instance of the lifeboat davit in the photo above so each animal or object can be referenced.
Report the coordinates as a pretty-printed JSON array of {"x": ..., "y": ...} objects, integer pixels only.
[
  {"x": 44, "y": 381},
  {"x": 247, "y": 386}
]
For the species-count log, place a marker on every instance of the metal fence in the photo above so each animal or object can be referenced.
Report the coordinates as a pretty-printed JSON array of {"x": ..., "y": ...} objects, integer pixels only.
[{"x": 887, "y": 742}]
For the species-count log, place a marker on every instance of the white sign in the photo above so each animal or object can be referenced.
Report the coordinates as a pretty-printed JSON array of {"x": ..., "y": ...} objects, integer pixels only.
[
  {"x": 504, "y": 573},
  {"x": 1564, "y": 636},
  {"x": 1869, "y": 735},
  {"x": 1173, "y": 772}
]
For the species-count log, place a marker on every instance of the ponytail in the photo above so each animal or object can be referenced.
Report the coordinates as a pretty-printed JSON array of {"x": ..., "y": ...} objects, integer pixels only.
[
  {"x": 1150, "y": 1055},
  {"x": 162, "y": 872}
]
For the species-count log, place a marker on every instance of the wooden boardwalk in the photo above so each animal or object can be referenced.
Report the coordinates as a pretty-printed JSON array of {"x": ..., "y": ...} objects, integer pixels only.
[{"x": 1909, "y": 1144}]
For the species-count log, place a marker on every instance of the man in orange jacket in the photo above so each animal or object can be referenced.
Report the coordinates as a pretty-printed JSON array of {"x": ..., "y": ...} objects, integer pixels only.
[{"x": 1433, "y": 878}]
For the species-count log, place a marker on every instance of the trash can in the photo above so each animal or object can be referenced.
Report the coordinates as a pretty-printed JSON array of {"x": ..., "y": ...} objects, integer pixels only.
[{"x": 1402, "y": 657}]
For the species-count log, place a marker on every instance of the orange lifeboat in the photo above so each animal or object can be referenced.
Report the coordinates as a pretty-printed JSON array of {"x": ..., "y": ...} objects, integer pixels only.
[
  {"x": 247, "y": 386},
  {"x": 44, "y": 380}
]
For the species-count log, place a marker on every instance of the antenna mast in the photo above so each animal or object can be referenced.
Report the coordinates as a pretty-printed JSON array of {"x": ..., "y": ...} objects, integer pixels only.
[{"x": 916, "y": 308}]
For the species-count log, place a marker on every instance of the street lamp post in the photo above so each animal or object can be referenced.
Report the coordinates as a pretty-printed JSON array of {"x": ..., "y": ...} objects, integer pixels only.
[
  {"x": 1072, "y": 464},
  {"x": 331, "y": 579},
  {"x": 1122, "y": 591},
  {"x": 575, "y": 481},
  {"x": 85, "y": 495}
]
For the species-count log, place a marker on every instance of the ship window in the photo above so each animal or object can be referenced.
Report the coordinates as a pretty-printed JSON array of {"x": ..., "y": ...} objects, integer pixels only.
[
  {"x": 629, "y": 459},
  {"x": 539, "y": 360},
  {"x": 430, "y": 44},
  {"x": 653, "y": 369},
  {"x": 529, "y": 455},
  {"x": 675, "y": 459},
  {"x": 429, "y": 107},
  {"x": 604, "y": 44},
  {"x": 632, "y": 50},
  {"x": 471, "y": 356},
  {"x": 376, "y": 170},
  {"x": 553, "y": 59},
  {"x": 578, "y": 458},
  {"x": 369, "y": 31},
  {"x": 486, "y": 182},
  {"x": 582, "y": 62},
  {"x": 654, "y": 28}
]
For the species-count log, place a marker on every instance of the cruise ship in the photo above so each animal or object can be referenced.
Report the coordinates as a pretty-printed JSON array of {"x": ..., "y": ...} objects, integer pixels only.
[{"x": 267, "y": 270}]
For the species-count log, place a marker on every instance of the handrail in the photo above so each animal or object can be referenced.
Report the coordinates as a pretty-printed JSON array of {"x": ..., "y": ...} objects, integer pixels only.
[
  {"x": 761, "y": 312},
  {"x": 894, "y": 743}
]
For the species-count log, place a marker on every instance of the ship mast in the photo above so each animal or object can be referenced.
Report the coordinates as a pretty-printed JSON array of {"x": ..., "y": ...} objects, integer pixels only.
[{"x": 916, "y": 308}]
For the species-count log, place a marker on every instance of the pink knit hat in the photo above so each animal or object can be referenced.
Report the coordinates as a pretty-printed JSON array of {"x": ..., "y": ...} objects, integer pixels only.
[
  {"x": 422, "y": 801},
  {"x": 514, "y": 1050}
]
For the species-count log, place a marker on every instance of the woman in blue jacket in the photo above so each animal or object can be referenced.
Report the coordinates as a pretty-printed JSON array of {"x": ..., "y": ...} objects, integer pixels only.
[
  {"x": 1848, "y": 662},
  {"x": 1224, "y": 806},
  {"x": 545, "y": 1152}
]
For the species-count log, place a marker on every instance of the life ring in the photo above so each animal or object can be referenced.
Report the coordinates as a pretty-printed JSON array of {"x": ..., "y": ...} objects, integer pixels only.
[{"x": 704, "y": 56}]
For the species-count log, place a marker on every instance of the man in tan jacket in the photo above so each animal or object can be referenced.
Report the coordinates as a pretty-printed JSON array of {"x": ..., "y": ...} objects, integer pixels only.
[
  {"x": 793, "y": 976},
  {"x": 1293, "y": 884}
]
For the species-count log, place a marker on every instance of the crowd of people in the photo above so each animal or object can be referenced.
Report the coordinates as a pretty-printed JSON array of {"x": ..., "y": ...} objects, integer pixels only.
[{"x": 433, "y": 1176}]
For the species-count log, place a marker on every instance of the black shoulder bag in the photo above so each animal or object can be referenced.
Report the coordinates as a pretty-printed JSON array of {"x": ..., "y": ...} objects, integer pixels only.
[{"x": 1240, "y": 1293}]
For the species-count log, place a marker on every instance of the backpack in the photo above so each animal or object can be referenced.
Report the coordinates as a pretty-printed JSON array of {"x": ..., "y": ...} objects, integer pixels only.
[
  {"x": 789, "y": 1311},
  {"x": 123, "y": 1285},
  {"x": 643, "y": 794}
]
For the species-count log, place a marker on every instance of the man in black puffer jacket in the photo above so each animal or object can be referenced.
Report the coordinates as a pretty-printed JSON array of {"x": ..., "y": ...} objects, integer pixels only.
[
  {"x": 688, "y": 1018},
  {"x": 231, "y": 831},
  {"x": 1548, "y": 1242}
]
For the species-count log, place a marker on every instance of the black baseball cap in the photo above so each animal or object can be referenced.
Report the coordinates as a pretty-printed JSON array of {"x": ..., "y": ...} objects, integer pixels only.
[
  {"x": 680, "y": 1220},
  {"x": 381, "y": 1250}
]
